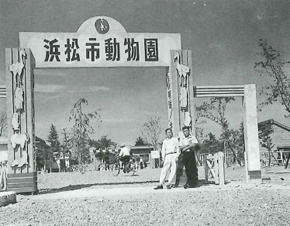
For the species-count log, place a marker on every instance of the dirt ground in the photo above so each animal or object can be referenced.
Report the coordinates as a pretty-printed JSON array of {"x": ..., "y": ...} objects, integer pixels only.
[{"x": 99, "y": 198}]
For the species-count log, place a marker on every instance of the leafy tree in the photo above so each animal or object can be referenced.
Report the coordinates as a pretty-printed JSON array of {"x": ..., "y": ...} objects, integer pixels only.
[
  {"x": 44, "y": 157},
  {"x": 211, "y": 145},
  {"x": 215, "y": 111},
  {"x": 81, "y": 130},
  {"x": 238, "y": 142},
  {"x": 140, "y": 142},
  {"x": 265, "y": 131},
  {"x": 94, "y": 143},
  {"x": 101, "y": 147},
  {"x": 53, "y": 139},
  {"x": 151, "y": 131},
  {"x": 199, "y": 131},
  {"x": 272, "y": 66},
  {"x": 241, "y": 137},
  {"x": 100, "y": 155},
  {"x": 66, "y": 143},
  {"x": 105, "y": 143}
]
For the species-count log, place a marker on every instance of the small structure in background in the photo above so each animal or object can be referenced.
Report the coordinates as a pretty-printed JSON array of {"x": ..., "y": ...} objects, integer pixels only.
[
  {"x": 280, "y": 138},
  {"x": 144, "y": 153},
  {"x": 45, "y": 160}
]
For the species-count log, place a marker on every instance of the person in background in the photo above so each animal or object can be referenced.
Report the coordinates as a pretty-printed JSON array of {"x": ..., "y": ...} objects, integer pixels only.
[
  {"x": 58, "y": 162},
  {"x": 62, "y": 162},
  {"x": 125, "y": 156},
  {"x": 67, "y": 161},
  {"x": 3, "y": 175},
  {"x": 188, "y": 144},
  {"x": 141, "y": 163},
  {"x": 170, "y": 153}
]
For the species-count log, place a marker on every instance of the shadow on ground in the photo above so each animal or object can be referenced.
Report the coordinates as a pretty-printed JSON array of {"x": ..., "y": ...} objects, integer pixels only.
[
  {"x": 201, "y": 183},
  {"x": 81, "y": 186}
]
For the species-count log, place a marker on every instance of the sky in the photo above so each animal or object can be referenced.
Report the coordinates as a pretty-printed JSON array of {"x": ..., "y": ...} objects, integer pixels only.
[{"x": 223, "y": 36}]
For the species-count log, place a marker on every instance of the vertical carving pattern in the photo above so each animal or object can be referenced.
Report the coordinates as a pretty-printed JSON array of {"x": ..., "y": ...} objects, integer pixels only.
[
  {"x": 20, "y": 120},
  {"x": 181, "y": 59}
]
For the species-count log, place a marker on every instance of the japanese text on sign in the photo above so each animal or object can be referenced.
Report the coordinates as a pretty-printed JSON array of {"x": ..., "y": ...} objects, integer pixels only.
[{"x": 112, "y": 49}]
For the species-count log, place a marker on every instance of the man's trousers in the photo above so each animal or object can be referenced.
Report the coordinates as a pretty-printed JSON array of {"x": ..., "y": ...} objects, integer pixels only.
[
  {"x": 191, "y": 170},
  {"x": 169, "y": 165}
]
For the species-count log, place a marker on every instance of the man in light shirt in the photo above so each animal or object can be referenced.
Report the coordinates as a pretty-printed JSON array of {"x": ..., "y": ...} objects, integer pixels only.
[
  {"x": 170, "y": 153},
  {"x": 125, "y": 156}
]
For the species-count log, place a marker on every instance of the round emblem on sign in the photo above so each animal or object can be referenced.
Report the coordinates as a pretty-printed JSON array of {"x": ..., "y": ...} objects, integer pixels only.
[{"x": 102, "y": 26}]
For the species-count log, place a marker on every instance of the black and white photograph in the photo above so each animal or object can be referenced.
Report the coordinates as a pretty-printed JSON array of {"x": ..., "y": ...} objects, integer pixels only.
[{"x": 131, "y": 112}]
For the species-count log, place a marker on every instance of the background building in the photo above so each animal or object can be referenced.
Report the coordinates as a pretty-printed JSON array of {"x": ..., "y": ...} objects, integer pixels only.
[{"x": 280, "y": 138}]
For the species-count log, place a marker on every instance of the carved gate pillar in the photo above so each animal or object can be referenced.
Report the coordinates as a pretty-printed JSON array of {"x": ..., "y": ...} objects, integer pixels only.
[
  {"x": 180, "y": 96},
  {"x": 22, "y": 175},
  {"x": 180, "y": 99}
]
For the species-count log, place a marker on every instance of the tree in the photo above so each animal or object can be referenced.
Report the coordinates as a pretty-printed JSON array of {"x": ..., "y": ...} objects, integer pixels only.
[
  {"x": 215, "y": 111},
  {"x": 100, "y": 155},
  {"x": 94, "y": 143},
  {"x": 151, "y": 131},
  {"x": 140, "y": 142},
  {"x": 53, "y": 139},
  {"x": 81, "y": 130},
  {"x": 44, "y": 157},
  {"x": 211, "y": 145},
  {"x": 3, "y": 125},
  {"x": 105, "y": 143},
  {"x": 238, "y": 142},
  {"x": 272, "y": 66},
  {"x": 102, "y": 147},
  {"x": 265, "y": 131},
  {"x": 66, "y": 143},
  {"x": 199, "y": 131}
]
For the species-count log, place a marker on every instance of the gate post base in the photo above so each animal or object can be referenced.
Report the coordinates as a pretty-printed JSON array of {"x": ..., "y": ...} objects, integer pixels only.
[
  {"x": 22, "y": 182},
  {"x": 255, "y": 176}
]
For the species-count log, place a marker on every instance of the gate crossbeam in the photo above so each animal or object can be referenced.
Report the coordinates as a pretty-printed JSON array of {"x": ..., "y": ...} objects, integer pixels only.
[
  {"x": 2, "y": 91},
  {"x": 218, "y": 91}
]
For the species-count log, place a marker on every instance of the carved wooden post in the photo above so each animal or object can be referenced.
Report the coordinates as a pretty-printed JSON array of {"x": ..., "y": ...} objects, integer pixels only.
[
  {"x": 181, "y": 97},
  {"x": 22, "y": 175}
]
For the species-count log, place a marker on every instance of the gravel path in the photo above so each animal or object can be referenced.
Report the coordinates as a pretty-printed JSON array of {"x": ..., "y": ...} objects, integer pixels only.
[{"x": 94, "y": 202}]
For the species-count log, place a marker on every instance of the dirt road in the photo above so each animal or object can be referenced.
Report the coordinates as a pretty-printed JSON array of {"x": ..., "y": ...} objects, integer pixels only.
[{"x": 75, "y": 199}]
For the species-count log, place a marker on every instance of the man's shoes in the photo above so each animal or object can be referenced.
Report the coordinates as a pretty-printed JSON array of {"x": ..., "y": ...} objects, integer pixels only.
[
  {"x": 159, "y": 187},
  {"x": 186, "y": 186}
]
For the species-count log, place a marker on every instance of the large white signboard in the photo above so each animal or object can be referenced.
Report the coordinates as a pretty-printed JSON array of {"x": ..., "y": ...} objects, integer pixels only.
[{"x": 100, "y": 42}]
